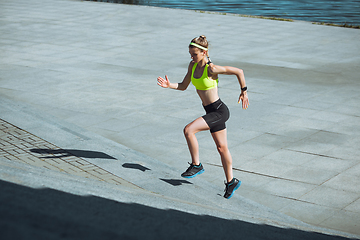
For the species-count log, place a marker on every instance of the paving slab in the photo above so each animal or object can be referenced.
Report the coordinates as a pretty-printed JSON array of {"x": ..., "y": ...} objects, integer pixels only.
[{"x": 94, "y": 65}]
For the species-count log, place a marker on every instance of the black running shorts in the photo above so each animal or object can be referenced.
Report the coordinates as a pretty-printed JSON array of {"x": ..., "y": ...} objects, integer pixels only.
[{"x": 217, "y": 113}]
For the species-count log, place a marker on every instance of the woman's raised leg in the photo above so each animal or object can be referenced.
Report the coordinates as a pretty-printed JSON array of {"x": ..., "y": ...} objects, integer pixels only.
[{"x": 190, "y": 130}]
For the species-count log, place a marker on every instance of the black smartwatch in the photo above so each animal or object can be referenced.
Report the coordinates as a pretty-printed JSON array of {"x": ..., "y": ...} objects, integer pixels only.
[{"x": 243, "y": 89}]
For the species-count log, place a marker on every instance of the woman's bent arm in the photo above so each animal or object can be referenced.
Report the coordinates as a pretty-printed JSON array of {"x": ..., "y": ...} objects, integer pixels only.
[{"x": 239, "y": 73}]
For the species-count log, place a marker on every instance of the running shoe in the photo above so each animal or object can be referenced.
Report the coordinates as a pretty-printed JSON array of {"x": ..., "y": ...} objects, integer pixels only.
[
  {"x": 231, "y": 187},
  {"x": 193, "y": 170}
]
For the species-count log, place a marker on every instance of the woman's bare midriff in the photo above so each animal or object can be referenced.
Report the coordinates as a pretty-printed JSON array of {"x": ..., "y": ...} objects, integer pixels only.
[{"x": 208, "y": 96}]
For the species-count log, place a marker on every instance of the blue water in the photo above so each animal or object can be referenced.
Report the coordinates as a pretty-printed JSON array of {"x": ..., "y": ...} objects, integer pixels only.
[{"x": 328, "y": 11}]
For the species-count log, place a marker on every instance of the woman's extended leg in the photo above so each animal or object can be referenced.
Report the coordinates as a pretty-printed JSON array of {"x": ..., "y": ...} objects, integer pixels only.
[
  {"x": 195, "y": 126},
  {"x": 220, "y": 139}
]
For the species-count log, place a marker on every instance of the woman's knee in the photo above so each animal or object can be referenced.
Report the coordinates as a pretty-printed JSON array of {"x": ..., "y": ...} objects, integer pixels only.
[
  {"x": 190, "y": 128},
  {"x": 222, "y": 148},
  {"x": 187, "y": 130},
  {"x": 195, "y": 127}
]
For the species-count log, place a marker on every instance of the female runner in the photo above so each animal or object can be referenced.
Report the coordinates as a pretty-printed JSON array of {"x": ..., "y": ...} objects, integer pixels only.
[{"x": 203, "y": 74}]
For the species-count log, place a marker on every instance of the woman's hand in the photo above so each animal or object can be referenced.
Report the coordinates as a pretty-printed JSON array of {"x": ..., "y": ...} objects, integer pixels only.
[
  {"x": 165, "y": 83},
  {"x": 244, "y": 99}
]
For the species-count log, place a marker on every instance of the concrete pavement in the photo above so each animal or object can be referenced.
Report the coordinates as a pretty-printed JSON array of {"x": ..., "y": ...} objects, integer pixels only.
[
  {"x": 94, "y": 66},
  {"x": 162, "y": 204}
]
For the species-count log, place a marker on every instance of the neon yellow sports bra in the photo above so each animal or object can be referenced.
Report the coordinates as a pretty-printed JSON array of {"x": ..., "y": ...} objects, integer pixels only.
[{"x": 204, "y": 82}]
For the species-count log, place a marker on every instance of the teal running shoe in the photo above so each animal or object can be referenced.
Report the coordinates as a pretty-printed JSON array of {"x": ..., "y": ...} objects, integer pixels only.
[
  {"x": 193, "y": 171},
  {"x": 231, "y": 187}
]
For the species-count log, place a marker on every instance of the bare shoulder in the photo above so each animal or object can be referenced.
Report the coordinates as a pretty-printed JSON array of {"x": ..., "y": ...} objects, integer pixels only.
[
  {"x": 191, "y": 64},
  {"x": 188, "y": 74},
  {"x": 216, "y": 69}
]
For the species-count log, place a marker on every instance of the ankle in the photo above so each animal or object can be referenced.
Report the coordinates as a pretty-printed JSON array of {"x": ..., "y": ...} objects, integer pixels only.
[{"x": 231, "y": 181}]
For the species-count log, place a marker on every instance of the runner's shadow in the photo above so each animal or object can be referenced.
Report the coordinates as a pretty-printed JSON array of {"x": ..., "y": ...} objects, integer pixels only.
[
  {"x": 59, "y": 153},
  {"x": 135, "y": 166},
  {"x": 175, "y": 182}
]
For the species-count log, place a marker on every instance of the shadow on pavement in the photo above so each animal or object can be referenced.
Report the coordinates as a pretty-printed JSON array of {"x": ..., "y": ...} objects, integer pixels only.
[
  {"x": 27, "y": 213},
  {"x": 59, "y": 153},
  {"x": 135, "y": 166},
  {"x": 175, "y": 182}
]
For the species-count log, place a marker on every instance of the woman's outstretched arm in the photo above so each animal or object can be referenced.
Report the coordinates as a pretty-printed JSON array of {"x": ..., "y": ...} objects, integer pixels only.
[{"x": 165, "y": 83}]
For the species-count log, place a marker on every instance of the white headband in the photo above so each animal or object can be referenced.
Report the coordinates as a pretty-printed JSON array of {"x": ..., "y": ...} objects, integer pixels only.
[{"x": 198, "y": 46}]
